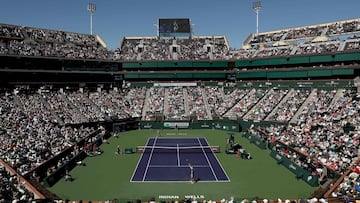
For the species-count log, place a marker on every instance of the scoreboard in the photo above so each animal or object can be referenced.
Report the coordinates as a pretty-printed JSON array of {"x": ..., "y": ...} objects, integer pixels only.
[{"x": 174, "y": 27}]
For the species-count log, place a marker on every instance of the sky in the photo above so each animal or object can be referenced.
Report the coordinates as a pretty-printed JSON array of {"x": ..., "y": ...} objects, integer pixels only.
[{"x": 114, "y": 19}]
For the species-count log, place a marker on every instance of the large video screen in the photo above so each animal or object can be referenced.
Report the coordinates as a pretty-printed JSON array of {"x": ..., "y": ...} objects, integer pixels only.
[{"x": 176, "y": 27}]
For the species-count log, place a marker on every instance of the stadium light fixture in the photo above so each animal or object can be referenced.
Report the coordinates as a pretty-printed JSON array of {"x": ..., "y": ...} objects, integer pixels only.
[
  {"x": 91, "y": 8},
  {"x": 192, "y": 29},
  {"x": 257, "y": 6},
  {"x": 157, "y": 29}
]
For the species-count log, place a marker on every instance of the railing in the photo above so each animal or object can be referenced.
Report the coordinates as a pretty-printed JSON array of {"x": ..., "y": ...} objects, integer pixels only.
[{"x": 29, "y": 186}]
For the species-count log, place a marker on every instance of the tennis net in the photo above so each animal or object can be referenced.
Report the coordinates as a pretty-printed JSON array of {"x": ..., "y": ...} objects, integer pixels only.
[{"x": 178, "y": 149}]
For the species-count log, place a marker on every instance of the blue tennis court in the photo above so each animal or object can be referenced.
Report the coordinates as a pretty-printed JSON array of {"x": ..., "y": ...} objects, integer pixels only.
[{"x": 169, "y": 160}]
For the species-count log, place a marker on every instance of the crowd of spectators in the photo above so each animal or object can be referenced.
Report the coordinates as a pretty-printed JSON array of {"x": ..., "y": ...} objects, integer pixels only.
[
  {"x": 28, "y": 136},
  {"x": 326, "y": 130},
  {"x": 127, "y": 51},
  {"x": 270, "y": 134},
  {"x": 175, "y": 108},
  {"x": 216, "y": 101},
  {"x": 327, "y": 29},
  {"x": 134, "y": 101},
  {"x": 110, "y": 104},
  {"x": 214, "y": 48},
  {"x": 287, "y": 109},
  {"x": 119, "y": 104},
  {"x": 12, "y": 189},
  {"x": 317, "y": 131},
  {"x": 350, "y": 186},
  {"x": 155, "y": 102},
  {"x": 217, "y": 49},
  {"x": 352, "y": 43},
  {"x": 193, "y": 49},
  {"x": 3, "y": 48},
  {"x": 326, "y": 133},
  {"x": 273, "y": 51},
  {"x": 76, "y": 107},
  {"x": 153, "y": 48},
  {"x": 316, "y": 48},
  {"x": 268, "y": 37},
  {"x": 245, "y": 104},
  {"x": 66, "y": 50},
  {"x": 230, "y": 199},
  {"x": 343, "y": 27},
  {"x": 231, "y": 97},
  {"x": 240, "y": 53},
  {"x": 11, "y": 31},
  {"x": 230, "y": 103},
  {"x": 85, "y": 106},
  {"x": 196, "y": 103},
  {"x": 36, "y": 34},
  {"x": 288, "y": 34},
  {"x": 306, "y": 32},
  {"x": 266, "y": 104},
  {"x": 180, "y": 106},
  {"x": 28, "y": 41},
  {"x": 59, "y": 104}
]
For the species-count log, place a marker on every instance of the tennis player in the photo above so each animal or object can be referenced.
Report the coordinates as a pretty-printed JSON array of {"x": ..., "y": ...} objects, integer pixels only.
[
  {"x": 192, "y": 178},
  {"x": 158, "y": 133},
  {"x": 118, "y": 150}
]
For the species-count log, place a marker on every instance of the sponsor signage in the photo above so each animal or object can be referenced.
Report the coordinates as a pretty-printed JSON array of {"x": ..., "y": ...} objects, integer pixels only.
[
  {"x": 178, "y": 197},
  {"x": 170, "y": 84},
  {"x": 176, "y": 124}
]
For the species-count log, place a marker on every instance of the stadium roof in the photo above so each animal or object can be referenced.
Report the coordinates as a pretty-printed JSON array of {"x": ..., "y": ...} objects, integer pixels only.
[{"x": 234, "y": 19}]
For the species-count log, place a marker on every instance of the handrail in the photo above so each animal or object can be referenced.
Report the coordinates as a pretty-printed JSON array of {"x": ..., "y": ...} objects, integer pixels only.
[
  {"x": 337, "y": 183},
  {"x": 28, "y": 185}
]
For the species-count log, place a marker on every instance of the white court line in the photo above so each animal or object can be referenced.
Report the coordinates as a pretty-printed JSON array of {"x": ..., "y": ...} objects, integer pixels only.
[
  {"x": 171, "y": 144},
  {"x": 178, "y": 155},
  {"x": 207, "y": 158},
  {"x": 137, "y": 165},
  {"x": 177, "y": 181},
  {"x": 175, "y": 166},
  {"x": 220, "y": 166},
  {"x": 178, "y": 166},
  {"x": 148, "y": 163}
]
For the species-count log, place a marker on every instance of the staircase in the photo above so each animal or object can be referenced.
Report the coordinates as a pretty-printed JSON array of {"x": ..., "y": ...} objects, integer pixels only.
[
  {"x": 17, "y": 101},
  {"x": 146, "y": 104},
  {"x": 257, "y": 103},
  {"x": 207, "y": 108},
  {"x": 42, "y": 189},
  {"x": 94, "y": 106},
  {"x": 222, "y": 92},
  {"x": 293, "y": 51},
  {"x": 67, "y": 100},
  {"x": 186, "y": 102},
  {"x": 53, "y": 114},
  {"x": 235, "y": 103},
  {"x": 293, "y": 120},
  {"x": 341, "y": 46},
  {"x": 284, "y": 36},
  {"x": 279, "y": 104},
  {"x": 166, "y": 102},
  {"x": 327, "y": 183},
  {"x": 339, "y": 93}
]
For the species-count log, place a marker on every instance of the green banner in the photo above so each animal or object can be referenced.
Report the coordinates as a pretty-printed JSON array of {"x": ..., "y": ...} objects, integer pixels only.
[
  {"x": 255, "y": 140},
  {"x": 297, "y": 170}
]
